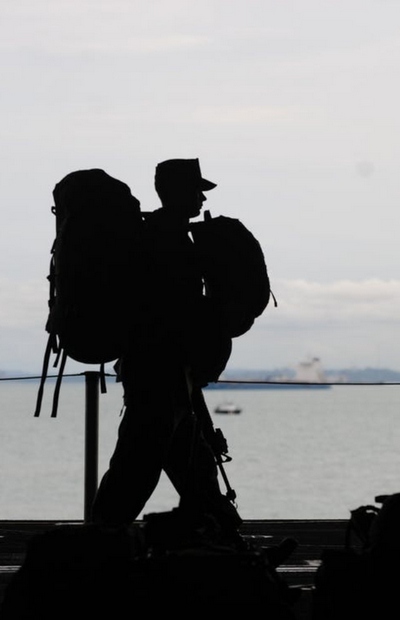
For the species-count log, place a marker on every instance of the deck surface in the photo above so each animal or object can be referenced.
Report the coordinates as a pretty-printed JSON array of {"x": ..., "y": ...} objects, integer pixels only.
[{"x": 298, "y": 570}]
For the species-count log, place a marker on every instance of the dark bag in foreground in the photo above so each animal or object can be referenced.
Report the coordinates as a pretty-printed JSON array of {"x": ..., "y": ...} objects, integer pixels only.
[
  {"x": 85, "y": 571},
  {"x": 234, "y": 271},
  {"x": 361, "y": 580},
  {"x": 92, "y": 270}
]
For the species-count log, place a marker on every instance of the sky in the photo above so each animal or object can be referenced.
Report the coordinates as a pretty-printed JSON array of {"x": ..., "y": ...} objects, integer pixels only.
[{"x": 292, "y": 107}]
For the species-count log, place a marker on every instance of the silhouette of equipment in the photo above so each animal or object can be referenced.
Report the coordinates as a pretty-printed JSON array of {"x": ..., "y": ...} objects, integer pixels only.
[
  {"x": 214, "y": 437},
  {"x": 190, "y": 523}
]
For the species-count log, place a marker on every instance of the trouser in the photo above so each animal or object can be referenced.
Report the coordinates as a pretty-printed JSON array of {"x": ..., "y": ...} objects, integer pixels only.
[{"x": 159, "y": 431}]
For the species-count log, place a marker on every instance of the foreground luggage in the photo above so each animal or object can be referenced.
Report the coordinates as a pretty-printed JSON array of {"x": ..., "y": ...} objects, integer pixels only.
[{"x": 76, "y": 570}]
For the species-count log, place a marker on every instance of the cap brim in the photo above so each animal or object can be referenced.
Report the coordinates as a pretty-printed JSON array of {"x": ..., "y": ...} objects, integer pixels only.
[{"x": 207, "y": 185}]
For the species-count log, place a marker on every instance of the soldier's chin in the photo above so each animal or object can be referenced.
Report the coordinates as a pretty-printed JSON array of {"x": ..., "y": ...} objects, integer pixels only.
[{"x": 195, "y": 212}]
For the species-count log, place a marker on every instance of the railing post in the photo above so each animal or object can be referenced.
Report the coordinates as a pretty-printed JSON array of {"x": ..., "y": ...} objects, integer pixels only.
[{"x": 91, "y": 439}]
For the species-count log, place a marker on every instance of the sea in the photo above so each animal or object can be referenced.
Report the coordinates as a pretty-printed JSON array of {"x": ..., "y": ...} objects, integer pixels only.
[{"x": 295, "y": 453}]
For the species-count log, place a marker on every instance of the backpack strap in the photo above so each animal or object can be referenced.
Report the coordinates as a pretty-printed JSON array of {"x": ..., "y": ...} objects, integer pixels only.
[
  {"x": 103, "y": 386},
  {"x": 57, "y": 388},
  {"x": 46, "y": 360},
  {"x": 52, "y": 345},
  {"x": 274, "y": 298}
]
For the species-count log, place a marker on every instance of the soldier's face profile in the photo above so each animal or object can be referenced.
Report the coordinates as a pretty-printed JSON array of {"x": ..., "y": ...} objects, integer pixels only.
[{"x": 196, "y": 203}]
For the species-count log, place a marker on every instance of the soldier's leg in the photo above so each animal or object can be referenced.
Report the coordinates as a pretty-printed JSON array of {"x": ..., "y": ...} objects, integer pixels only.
[
  {"x": 136, "y": 464},
  {"x": 192, "y": 468}
]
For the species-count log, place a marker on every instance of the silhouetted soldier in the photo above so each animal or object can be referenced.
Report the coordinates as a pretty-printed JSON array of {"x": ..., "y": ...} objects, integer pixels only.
[{"x": 179, "y": 347}]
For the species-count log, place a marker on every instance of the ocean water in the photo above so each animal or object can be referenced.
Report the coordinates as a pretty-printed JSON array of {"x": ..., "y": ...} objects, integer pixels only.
[{"x": 296, "y": 454}]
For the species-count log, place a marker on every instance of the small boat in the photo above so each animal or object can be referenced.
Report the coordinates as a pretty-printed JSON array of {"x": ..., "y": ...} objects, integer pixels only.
[{"x": 227, "y": 408}]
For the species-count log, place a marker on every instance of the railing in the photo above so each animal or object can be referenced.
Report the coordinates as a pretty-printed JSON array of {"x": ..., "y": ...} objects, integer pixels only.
[
  {"x": 91, "y": 448},
  {"x": 91, "y": 435},
  {"x": 92, "y": 391},
  {"x": 92, "y": 381}
]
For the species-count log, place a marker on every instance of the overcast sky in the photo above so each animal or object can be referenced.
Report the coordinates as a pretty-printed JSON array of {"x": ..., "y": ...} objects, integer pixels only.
[{"x": 292, "y": 107}]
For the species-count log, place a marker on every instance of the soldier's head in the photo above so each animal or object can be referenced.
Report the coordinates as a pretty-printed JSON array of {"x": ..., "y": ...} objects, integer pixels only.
[{"x": 180, "y": 186}]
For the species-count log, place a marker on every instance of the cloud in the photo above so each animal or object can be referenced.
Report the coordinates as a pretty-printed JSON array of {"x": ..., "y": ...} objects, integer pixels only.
[
  {"x": 299, "y": 301},
  {"x": 345, "y": 322},
  {"x": 341, "y": 301}
]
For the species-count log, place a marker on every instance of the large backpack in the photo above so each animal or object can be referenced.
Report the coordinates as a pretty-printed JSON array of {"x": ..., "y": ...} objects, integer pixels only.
[
  {"x": 234, "y": 270},
  {"x": 92, "y": 271}
]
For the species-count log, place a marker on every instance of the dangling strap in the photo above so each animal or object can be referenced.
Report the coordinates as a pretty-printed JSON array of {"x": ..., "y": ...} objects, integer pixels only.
[
  {"x": 274, "y": 298},
  {"x": 46, "y": 360},
  {"x": 58, "y": 351},
  {"x": 57, "y": 388},
  {"x": 103, "y": 387}
]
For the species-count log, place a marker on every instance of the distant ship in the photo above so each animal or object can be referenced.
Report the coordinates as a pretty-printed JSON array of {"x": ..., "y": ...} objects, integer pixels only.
[{"x": 308, "y": 374}]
